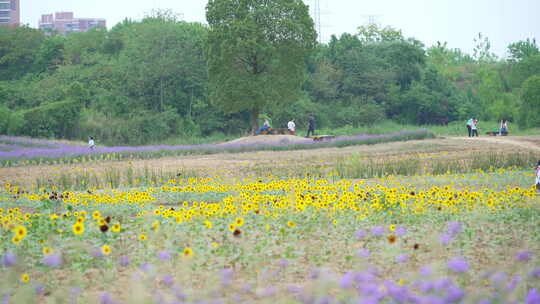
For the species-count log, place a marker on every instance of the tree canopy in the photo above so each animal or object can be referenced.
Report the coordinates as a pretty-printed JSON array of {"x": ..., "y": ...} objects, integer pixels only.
[{"x": 256, "y": 53}]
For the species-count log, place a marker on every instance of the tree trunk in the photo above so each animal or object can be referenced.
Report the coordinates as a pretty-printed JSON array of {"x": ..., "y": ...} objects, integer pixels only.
[{"x": 254, "y": 120}]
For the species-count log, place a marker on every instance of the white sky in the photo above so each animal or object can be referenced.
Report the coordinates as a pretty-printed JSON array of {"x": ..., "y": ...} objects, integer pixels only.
[{"x": 455, "y": 21}]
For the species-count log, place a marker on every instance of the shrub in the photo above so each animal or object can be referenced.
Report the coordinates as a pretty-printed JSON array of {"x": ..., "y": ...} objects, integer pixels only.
[{"x": 57, "y": 119}]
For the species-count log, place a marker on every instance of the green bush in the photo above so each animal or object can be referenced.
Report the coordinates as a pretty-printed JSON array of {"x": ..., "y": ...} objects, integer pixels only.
[{"x": 57, "y": 119}]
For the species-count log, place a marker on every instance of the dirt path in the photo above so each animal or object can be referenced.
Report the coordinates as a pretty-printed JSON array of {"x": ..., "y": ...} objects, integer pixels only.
[{"x": 523, "y": 142}]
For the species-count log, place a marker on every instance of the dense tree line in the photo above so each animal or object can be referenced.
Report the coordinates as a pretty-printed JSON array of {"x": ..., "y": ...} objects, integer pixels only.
[{"x": 146, "y": 80}]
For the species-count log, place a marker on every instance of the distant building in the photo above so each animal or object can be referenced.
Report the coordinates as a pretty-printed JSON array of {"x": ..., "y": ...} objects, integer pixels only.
[
  {"x": 64, "y": 23},
  {"x": 10, "y": 12}
]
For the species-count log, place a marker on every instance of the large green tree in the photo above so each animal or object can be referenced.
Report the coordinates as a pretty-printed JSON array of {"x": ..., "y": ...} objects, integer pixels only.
[{"x": 256, "y": 53}]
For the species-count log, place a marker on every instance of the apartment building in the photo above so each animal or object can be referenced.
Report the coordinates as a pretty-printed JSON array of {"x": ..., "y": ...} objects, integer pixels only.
[
  {"x": 10, "y": 12},
  {"x": 65, "y": 23}
]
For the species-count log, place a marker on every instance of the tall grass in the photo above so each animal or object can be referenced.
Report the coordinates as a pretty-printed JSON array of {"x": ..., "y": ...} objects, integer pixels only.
[{"x": 359, "y": 167}]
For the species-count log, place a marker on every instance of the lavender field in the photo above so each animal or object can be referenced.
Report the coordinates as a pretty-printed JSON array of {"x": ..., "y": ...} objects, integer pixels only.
[{"x": 15, "y": 149}]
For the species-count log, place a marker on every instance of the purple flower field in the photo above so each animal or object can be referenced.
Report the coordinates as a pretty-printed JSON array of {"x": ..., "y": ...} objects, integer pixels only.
[{"x": 13, "y": 148}]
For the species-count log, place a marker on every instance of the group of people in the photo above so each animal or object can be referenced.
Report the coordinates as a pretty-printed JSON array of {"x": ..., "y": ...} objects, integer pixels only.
[
  {"x": 291, "y": 126},
  {"x": 472, "y": 127}
]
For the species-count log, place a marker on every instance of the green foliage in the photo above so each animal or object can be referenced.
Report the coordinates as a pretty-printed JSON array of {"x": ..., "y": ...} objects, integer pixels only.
[
  {"x": 523, "y": 49},
  {"x": 530, "y": 110},
  {"x": 18, "y": 49},
  {"x": 256, "y": 52},
  {"x": 58, "y": 119},
  {"x": 195, "y": 81}
]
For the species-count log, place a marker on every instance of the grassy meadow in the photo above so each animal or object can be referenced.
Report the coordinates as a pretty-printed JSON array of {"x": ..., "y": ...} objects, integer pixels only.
[{"x": 424, "y": 220}]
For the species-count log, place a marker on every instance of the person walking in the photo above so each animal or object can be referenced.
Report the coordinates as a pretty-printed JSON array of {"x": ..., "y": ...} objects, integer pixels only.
[
  {"x": 292, "y": 127},
  {"x": 474, "y": 128},
  {"x": 91, "y": 143},
  {"x": 469, "y": 126},
  {"x": 311, "y": 125}
]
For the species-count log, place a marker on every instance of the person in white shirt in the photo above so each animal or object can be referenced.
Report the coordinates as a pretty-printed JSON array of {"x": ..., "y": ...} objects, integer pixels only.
[
  {"x": 474, "y": 128},
  {"x": 292, "y": 127},
  {"x": 91, "y": 143}
]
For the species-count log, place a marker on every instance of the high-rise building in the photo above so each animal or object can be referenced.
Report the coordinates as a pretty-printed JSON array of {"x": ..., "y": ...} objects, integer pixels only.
[
  {"x": 10, "y": 12},
  {"x": 65, "y": 23}
]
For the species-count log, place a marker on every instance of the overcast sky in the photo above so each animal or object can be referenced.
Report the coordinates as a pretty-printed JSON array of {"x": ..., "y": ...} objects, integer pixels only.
[{"x": 454, "y": 21}]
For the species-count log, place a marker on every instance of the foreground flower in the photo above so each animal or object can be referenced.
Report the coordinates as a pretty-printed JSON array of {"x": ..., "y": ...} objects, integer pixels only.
[
  {"x": 164, "y": 255},
  {"x": 53, "y": 260},
  {"x": 25, "y": 278},
  {"x": 377, "y": 230},
  {"x": 458, "y": 265},
  {"x": 188, "y": 252},
  {"x": 106, "y": 249},
  {"x": 9, "y": 259},
  {"x": 524, "y": 256},
  {"x": 78, "y": 228},
  {"x": 47, "y": 251},
  {"x": 116, "y": 228},
  {"x": 533, "y": 297}
]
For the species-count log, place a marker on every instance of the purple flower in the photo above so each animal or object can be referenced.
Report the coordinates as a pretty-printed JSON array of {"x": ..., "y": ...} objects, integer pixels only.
[
  {"x": 458, "y": 265},
  {"x": 147, "y": 267},
  {"x": 401, "y": 231},
  {"x": 533, "y": 297},
  {"x": 454, "y": 228},
  {"x": 347, "y": 280},
  {"x": 39, "y": 289},
  {"x": 524, "y": 256},
  {"x": 363, "y": 253},
  {"x": 226, "y": 276},
  {"x": 179, "y": 293},
  {"x": 167, "y": 279},
  {"x": 426, "y": 286},
  {"x": 314, "y": 273},
  {"x": 360, "y": 234},
  {"x": 426, "y": 271},
  {"x": 497, "y": 279},
  {"x": 484, "y": 302},
  {"x": 96, "y": 252},
  {"x": 105, "y": 298},
  {"x": 454, "y": 294},
  {"x": 514, "y": 283},
  {"x": 246, "y": 288},
  {"x": 164, "y": 255},
  {"x": 535, "y": 273},
  {"x": 283, "y": 263},
  {"x": 9, "y": 259},
  {"x": 402, "y": 258},
  {"x": 124, "y": 261},
  {"x": 295, "y": 290},
  {"x": 377, "y": 230},
  {"x": 445, "y": 239},
  {"x": 53, "y": 260}
]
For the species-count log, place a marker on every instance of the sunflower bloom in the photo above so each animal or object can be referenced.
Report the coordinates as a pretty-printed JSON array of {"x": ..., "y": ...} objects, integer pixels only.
[
  {"x": 188, "y": 252},
  {"x": 46, "y": 250},
  {"x": 239, "y": 222},
  {"x": 78, "y": 228},
  {"x": 25, "y": 278},
  {"x": 106, "y": 249},
  {"x": 116, "y": 228}
]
